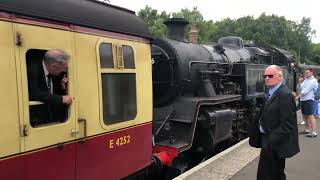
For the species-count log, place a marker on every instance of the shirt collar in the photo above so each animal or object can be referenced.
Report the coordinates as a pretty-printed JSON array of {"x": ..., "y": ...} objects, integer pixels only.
[
  {"x": 311, "y": 77},
  {"x": 46, "y": 72},
  {"x": 307, "y": 80},
  {"x": 272, "y": 90}
]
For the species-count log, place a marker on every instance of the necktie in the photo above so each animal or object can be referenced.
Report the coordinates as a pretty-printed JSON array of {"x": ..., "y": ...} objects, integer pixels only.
[
  {"x": 49, "y": 84},
  {"x": 267, "y": 96}
]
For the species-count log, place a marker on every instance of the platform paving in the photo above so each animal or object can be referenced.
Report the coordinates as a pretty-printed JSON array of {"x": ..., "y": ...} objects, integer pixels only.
[
  {"x": 240, "y": 162},
  {"x": 223, "y": 165},
  {"x": 303, "y": 166}
]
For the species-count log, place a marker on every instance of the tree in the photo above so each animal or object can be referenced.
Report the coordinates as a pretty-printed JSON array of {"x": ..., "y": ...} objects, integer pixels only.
[
  {"x": 267, "y": 29},
  {"x": 315, "y": 56},
  {"x": 301, "y": 38},
  {"x": 154, "y": 20}
]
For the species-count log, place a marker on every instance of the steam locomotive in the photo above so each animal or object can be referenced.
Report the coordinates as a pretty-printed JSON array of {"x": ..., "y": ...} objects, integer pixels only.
[
  {"x": 142, "y": 106},
  {"x": 205, "y": 95}
]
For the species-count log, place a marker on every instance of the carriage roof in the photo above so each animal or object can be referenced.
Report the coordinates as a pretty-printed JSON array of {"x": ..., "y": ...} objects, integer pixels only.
[{"x": 88, "y": 13}]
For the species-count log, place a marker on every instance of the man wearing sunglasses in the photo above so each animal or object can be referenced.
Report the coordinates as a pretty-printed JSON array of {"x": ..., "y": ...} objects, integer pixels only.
[
  {"x": 276, "y": 128},
  {"x": 307, "y": 98}
]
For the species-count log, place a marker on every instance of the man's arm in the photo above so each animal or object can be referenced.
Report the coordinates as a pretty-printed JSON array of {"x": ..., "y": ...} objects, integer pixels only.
[
  {"x": 253, "y": 130},
  {"x": 61, "y": 88},
  {"x": 310, "y": 87}
]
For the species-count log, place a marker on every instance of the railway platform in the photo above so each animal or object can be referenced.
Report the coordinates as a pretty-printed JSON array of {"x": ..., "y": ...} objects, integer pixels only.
[{"x": 240, "y": 162}]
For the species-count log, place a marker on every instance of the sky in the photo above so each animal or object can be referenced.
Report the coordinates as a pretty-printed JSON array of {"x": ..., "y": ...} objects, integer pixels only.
[{"x": 217, "y": 10}]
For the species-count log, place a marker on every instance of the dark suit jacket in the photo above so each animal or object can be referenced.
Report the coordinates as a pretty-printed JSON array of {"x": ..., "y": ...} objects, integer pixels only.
[
  {"x": 38, "y": 89},
  {"x": 53, "y": 110},
  {"x": 279, "y": 121}
]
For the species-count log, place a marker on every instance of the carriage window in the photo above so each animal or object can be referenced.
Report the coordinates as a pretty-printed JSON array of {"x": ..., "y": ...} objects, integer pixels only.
[
  {"x": 118, "y": 97},
  {"x": 106, "y": 60},
  {"x": 118, "y": 89},
  {"x": 128, "y": 57},
  {"x": 43, "y": 111}
]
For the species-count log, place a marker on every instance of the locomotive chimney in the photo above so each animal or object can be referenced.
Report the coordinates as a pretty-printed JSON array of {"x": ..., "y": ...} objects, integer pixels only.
[
  {"x": 176, "y": 28},
  {"x": 193, "y": 34}
]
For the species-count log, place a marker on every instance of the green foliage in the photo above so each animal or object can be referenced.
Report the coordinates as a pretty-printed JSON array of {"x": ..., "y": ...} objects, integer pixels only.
[
  {"x": 154, "y": 20},
  {"x": 268, "y": 29},
  {"x": 315, "y": 55}
]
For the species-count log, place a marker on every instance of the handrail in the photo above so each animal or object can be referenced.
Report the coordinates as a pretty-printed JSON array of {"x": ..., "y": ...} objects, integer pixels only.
[
  {"x": 84, "y": 121},
  {"x": 35, "y": 103}
]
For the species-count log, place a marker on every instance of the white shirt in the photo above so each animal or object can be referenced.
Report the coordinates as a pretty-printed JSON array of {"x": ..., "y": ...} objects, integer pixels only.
[
  {"x": 46, "y": 73},
  {"x": 308, "y": 88}
]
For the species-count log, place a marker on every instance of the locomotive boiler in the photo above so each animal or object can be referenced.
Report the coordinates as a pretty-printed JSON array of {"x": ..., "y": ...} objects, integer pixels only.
[{"x": 205, "y": 95}]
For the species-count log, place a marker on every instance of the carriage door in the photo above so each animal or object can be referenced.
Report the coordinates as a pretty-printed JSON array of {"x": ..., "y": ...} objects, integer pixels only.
[{"x": 46, "y": 134}]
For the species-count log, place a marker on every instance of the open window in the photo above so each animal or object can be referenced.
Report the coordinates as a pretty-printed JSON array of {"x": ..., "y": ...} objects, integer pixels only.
[{"x": 41, "y": 111}]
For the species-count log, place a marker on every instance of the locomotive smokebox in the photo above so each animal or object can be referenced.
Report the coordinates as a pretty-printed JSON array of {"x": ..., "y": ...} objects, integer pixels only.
[{"x": 176, "y": 28}]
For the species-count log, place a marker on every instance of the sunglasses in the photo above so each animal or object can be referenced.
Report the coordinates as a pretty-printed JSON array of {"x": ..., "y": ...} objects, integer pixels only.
[{"x": 268, "y": 75}]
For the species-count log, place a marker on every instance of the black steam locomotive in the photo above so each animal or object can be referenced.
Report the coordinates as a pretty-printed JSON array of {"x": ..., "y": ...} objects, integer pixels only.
[{"x": 205, "y": 95}]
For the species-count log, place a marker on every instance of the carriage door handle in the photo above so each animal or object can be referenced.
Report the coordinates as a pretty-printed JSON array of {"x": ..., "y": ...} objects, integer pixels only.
[
  {"x": 74, "y": 132},
  {"x": 84, "y": 122}
]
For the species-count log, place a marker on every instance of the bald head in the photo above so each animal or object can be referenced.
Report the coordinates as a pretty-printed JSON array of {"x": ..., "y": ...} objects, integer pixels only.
[
  {"x": 273, "y": 75},
  {"x": 56, "y": 61},
  {"x": 56, "y": 55}
]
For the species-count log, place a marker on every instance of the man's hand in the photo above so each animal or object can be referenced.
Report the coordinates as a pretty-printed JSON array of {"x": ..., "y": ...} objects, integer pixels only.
[
  {"x": 297, "y": 97},
  {"x": 294, "y": 94},
  {"x": 64, "y": 82},
  {"x": 67, "y": 99}
]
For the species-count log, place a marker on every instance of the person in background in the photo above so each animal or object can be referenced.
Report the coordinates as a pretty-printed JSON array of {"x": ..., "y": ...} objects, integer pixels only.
[
  {"x": 298, "y": 102},
  {"x": 307, "y": 94},
  {"x": 300, "y": 81},
  {"x": 316, "y": 98}
]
